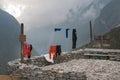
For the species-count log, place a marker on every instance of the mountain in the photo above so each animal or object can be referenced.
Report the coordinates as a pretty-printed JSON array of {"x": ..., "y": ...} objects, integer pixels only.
[
  {"x": 9, "y": 39},
  {"x": 108, "y": 18},
  {"x": 79, "y": 17},
  {"x": 115, "y": 37}
]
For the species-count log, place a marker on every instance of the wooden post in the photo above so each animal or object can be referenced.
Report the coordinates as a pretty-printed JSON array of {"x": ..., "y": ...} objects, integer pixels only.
[
  {"x": 101, "y": 41},
  {"x": 91, "y": 34},
  {"x": 22, "y": 39}
]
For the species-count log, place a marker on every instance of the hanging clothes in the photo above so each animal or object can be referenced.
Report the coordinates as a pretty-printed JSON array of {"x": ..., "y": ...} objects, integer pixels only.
[
  {"x": 58, "y": 50},
  {"x": 48, "y": 58},
  {"x": 74, "y": 38},
  {"x": 26, "y": 50},
  {"x": 57, "y": 29},
  {"x": 30, "y": 48},
  {"x": 52, "y": 50},
  {"x": 67, "y": 32}
]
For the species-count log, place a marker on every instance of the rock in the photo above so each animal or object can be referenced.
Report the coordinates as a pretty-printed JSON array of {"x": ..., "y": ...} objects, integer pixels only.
[{"x": 68, "y": 68}]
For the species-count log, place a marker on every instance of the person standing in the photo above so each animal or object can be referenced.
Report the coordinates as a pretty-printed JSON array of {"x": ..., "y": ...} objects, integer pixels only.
[{"x": 74, "y": 38}]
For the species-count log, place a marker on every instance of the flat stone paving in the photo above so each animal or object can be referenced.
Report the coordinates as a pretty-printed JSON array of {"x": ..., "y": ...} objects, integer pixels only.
[{"x": 94, "y": 69}]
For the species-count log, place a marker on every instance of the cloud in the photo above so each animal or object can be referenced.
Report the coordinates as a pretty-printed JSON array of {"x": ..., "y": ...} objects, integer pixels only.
[
  {"x": 90, "y": 13},
  {"x": 39, "y": 16},
  {"x": 40, "y": 13}
]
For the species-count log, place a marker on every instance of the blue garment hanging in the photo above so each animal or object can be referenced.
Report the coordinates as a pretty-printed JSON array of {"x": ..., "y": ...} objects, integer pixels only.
[
  {"x": 67, "y": 32},
  {"x": 57, "y": 29}
]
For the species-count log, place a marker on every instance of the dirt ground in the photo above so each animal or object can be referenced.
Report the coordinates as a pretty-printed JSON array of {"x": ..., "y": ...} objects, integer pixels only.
[{"x": 8, "y": 77}]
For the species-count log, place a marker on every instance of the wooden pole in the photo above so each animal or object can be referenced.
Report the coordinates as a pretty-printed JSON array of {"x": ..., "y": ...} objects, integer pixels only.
[
  {"x": 22, "y": 42},
  {"x": 101, "y": 41},
  {"x": 91, "y": 33}
]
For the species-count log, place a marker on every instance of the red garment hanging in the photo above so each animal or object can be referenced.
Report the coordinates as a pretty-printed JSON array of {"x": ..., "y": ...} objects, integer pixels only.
[
  {"x": 52, "y": 50},
  {"x": 26, "y": 50}
]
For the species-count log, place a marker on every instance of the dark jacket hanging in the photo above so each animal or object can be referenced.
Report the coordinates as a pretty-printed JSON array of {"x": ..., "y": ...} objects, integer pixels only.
[
  {"x": 58, "y": 50},
  {"x": 74, "y": 38}
]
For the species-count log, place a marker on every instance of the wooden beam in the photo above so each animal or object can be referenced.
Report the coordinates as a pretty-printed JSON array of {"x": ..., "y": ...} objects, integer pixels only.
[
  {"x": 22, "y": 42},
  {"x": 101, "y": 41},
  {"x": 91, "y": 33}
]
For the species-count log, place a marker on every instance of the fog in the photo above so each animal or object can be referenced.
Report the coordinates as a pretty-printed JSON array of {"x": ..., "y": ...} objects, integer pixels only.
[{"x": 40, "y": 17}]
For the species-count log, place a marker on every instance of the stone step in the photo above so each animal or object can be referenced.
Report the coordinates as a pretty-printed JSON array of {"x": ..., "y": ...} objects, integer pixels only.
[{"x": 102, "y": 55}]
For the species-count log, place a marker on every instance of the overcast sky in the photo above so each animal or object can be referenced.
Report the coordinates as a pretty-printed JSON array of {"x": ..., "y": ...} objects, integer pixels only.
[{"x": 41, "y": 13}]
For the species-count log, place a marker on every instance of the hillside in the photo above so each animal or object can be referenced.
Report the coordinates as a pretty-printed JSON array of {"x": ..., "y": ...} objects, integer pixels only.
[
  {"x": 115, "y": 38},
  {"x": 9, "y": 39},
  {"x": 108, "y": 18}
]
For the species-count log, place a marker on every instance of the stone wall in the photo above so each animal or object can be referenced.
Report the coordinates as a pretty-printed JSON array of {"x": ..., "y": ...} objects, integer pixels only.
[
  {"x": 39, "y": 74},
  {"x": 33, "y": 70},
  {"x": 68, "y": 66},
  {"x": 40, "y": 61}
]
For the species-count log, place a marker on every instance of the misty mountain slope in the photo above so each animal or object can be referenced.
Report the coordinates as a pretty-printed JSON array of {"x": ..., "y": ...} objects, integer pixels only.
[
  {"x": 115, "y": 37},
  {"x": 9, "y": 38},
  {"x": 109, "y": 17},
  {"x": 78, "y": 18}
]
